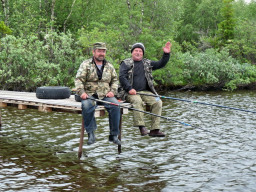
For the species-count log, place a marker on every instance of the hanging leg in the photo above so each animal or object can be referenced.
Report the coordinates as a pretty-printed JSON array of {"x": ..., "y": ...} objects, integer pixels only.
[{"x": 80, "y": 151}]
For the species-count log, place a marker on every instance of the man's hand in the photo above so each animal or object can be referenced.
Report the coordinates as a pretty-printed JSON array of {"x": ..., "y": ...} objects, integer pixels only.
[
  {"x": 84, "y": 96},
  {"x": 132, "y": 92},
  {"x": 167, "y": 47},
  {"x": 110, "y": 94}
]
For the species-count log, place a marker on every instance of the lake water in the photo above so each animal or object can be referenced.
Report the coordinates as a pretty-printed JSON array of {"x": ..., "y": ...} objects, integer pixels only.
[{"x": 38, "y": 151}]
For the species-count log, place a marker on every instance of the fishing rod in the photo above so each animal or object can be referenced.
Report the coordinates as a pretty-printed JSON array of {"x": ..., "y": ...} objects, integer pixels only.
[
  {"x": 199, "y": 102},
  {"x": 168, "y": 118}
]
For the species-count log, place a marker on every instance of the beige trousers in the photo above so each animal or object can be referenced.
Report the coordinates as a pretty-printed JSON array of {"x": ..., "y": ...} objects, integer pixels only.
[{"x": 138, "y": 102}]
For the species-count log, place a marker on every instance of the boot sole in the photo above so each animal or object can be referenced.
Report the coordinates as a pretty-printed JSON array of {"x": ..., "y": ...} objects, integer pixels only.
[
  {"x": 89, "y": 143},
  {"x": 156, "y": 135}
]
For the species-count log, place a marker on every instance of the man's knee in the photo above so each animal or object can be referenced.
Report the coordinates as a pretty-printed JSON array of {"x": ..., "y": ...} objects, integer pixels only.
[
  {"x": 135, "y": 100},
  {"x": 157, "y": 106},
  {"x": 111, "y": 99},
  {"x": 159, "y": 103},
  {"x": 87, "y": 103}
]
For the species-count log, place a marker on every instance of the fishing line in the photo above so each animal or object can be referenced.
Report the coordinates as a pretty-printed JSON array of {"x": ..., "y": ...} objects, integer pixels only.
[
  {"x": 167, "y": 118},
  {"x": 199, "y": 102}
]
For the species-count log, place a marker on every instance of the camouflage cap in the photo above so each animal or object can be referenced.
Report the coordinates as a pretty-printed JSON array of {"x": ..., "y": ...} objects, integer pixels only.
[{"x": 99, "y": 45}]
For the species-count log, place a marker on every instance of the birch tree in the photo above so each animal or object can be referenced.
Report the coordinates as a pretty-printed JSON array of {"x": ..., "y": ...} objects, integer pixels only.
[
  {"x": 52, "y": 14},
  {"x": 5, "y": 4},
  {"x": 65, "y": 22}
]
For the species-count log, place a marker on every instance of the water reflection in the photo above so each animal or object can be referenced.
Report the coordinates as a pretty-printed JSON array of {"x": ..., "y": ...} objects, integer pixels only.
[{"x": 38, "y": 151}]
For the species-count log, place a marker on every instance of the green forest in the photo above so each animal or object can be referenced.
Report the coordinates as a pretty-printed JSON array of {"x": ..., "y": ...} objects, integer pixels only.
[{"x": 43, "y": 42}]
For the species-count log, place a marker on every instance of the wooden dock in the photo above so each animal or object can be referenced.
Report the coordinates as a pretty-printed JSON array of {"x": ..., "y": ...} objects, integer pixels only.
[{"x": 24, "y": 100}]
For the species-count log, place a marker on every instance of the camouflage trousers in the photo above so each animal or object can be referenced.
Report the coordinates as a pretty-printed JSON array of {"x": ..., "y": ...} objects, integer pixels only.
[{"x": 138, "y": 102}]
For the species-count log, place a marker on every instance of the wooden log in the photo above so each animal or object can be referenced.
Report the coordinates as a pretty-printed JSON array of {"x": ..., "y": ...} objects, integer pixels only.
[
  {"x": 120, "y": 135},
  {"x": 44, "y": 108},
  {"x": 0, "y": 120},
  {"x": 2, "y": 104},
  {"x": 80, "y": 150},
  {"x": 22, "y": 106}
]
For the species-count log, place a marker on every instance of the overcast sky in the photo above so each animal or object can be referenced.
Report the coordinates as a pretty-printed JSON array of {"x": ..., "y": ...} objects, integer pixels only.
[{"x": 248, "y": 1}]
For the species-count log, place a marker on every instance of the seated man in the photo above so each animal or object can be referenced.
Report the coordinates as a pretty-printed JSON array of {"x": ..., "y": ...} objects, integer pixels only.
[
  {"x": 97, "y": 78},
  {"x": 135, "y": 76}
]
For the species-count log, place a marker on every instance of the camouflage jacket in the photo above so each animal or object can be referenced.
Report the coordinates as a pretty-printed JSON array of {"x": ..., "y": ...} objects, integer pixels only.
[{"x": 87, "y": 80}]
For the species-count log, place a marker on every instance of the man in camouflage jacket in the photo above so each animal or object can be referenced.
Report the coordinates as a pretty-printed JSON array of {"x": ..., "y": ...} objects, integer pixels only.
[{"x": 97, "y": 79}]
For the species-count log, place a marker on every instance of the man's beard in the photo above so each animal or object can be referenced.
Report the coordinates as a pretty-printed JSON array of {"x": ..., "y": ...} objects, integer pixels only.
[{"x": 100, "y": 58}]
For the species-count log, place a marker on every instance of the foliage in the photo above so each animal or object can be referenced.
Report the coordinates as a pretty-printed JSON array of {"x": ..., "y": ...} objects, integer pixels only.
[
  {"x": 172, "y": 74},
  {"x": 4, "y": 30},
  {"x": 226, "y": 27},
  {"x": 42, "y": 51},
  {"x": 216, "y": 69},
  {"x": 206, "y": 69},
  {"x": 199, "y": 18},
  {"x": 30, "y": 63},
  {"x": 243, "y": 46}
]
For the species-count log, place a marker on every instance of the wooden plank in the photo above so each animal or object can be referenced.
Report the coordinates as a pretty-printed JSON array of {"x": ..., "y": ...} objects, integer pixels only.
[
  {"x": 23, "y": 99},
  {"x": 52, "y": 104}
]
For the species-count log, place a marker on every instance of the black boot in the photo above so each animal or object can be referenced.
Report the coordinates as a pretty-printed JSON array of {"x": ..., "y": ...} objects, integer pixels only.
[
  {"x": 114, "y": 139},
  {"x": 156, "y": 133},
  {"x": 143, "y": 130},
  {"x": 91, "y": 138}
]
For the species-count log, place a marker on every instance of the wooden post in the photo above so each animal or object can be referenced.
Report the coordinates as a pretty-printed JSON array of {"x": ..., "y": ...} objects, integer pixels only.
[
  {"x": 0, "y": 120},
  {"x": 44, "y": 109},
  {"x": 80, "y": 151},
  {"x": 2, "y": 104},
  {"x": 21, "y": 106},
  {"x": 120, "y": 133}
]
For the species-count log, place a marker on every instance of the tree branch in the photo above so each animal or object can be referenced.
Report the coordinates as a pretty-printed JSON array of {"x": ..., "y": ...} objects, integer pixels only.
[{"x": 65, "y": 22}]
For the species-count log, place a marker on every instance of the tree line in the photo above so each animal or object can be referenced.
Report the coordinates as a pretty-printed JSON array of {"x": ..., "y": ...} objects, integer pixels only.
[{"x": 43, "y": 42}]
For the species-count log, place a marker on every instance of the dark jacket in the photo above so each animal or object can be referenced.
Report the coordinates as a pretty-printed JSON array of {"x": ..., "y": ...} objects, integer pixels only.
[{"x": 138, "y": 75}]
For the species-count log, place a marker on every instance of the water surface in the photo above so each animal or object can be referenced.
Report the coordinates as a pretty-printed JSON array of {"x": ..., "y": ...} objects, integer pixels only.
[{"x": 38, "y": 151}]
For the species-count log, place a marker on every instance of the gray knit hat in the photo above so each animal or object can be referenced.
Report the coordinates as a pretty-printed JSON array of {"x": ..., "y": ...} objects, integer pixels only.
[{"x": 138, "y": 45}]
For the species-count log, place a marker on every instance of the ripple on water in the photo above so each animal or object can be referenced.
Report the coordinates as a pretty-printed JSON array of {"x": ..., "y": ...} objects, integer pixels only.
[{"x": 38, "y": 151}]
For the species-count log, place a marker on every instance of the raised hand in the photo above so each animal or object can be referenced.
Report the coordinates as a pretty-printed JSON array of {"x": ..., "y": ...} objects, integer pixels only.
[{"x": 167, "y": 47}]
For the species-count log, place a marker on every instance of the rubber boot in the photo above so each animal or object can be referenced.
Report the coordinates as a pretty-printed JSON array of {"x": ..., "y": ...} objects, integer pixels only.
[
  {"x": 114, "y": 139},
  {"x": 91, "y": 138}
]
